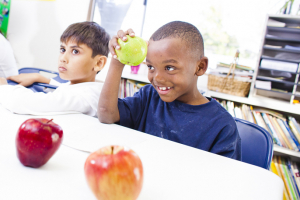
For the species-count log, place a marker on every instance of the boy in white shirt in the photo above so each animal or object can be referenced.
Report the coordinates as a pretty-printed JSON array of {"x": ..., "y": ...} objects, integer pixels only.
[
  {"x": 8, "y": 64},
  {"x": 83, "y": 53}
]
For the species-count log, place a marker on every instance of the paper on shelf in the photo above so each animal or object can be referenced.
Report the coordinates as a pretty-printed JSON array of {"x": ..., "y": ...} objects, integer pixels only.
[
  {"x": 279, "y": 65},
  {"x": 263, "y": 85},
  {"x": 275, "y": 23}
]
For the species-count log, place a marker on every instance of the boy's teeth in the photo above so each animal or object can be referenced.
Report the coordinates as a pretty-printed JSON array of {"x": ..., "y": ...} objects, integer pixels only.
[{"x": 164, "y": 88}]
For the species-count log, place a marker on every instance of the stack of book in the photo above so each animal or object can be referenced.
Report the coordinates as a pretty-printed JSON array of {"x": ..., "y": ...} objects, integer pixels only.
[
  {"x": 288, "y": 171},
  {"x": 129, "y": 87},
  {"x": 285, "y": 131}
]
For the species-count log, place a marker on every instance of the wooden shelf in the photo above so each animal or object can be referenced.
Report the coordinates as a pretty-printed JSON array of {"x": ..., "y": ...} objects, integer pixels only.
[
  {"x": 281, "y": 151},
  {"x": 259, "y": 101}
]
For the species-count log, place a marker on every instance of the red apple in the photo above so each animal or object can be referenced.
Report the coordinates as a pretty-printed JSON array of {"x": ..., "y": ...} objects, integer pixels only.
[
  {"x": 37, "y": 140},
  {"x": 114, "y": 173}
]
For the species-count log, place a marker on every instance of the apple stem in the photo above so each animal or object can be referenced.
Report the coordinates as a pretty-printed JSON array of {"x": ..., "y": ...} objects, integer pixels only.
[
  {"x": 49, "y": 121},
  {"x": 112, "y": 149}
]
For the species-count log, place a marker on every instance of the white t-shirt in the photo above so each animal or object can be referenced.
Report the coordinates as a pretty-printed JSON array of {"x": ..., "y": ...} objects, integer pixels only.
[
  {"x": 77, "y": 98},
  {"x": 8, "y": 65}
]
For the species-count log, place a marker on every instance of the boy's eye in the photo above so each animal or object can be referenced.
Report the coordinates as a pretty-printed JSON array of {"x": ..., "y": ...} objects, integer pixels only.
[
  {"x": 169, "y": 68},
  {"x": 75, "y": 51},
  {"x": 150, "y": 67},
  {"x": 62, "y": 50}
]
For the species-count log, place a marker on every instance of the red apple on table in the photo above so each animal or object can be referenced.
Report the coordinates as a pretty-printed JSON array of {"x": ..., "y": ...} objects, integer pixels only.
[
  {"x": 114, "y": 173},
  {"x": 37, "y": 140}
]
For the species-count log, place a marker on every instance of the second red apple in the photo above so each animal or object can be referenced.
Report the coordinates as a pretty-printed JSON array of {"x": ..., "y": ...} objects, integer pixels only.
[{"x": 114, "y": 173}]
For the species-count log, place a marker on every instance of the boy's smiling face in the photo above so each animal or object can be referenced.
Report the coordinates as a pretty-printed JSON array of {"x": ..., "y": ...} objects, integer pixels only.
[
  {"x": 174, "y": 69},
  {"x": 76, "y": 64}
]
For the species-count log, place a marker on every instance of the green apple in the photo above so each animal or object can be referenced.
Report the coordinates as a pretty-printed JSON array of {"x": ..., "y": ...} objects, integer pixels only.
[{"x": 133, "y": 51}]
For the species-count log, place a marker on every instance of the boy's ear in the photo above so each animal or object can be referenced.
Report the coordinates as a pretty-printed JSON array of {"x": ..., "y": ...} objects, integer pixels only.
[
  {"x": 202, "y": 66},
  {"x": 100, "y": 62}
]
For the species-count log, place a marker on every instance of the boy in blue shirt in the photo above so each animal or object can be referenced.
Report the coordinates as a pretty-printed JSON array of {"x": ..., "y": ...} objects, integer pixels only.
[{"x": 171, "y": 107}]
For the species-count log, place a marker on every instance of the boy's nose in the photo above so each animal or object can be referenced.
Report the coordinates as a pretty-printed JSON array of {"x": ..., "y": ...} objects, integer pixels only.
[
  {"x": 64, "y": 58},
  {"x": 159, "y": 78}
]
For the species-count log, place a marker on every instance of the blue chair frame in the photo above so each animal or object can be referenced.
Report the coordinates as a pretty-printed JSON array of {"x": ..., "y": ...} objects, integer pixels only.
[
  {"x": 38, "y": 87},
  {"x": 257, "y": 144}
]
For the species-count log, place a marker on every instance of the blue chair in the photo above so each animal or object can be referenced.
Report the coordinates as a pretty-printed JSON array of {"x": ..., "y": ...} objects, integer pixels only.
[
  {"x": 257, "y": 144},
  {"x": 38, "y": 87}
]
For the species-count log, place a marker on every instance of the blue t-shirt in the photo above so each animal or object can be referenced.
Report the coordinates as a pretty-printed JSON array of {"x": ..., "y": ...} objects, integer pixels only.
[{"x": 208, "y": 126}]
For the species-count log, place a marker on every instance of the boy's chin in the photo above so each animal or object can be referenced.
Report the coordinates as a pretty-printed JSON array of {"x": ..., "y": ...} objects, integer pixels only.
[
  {"x": 166, "y": 99},
  {"x": 62, "y": 76}
]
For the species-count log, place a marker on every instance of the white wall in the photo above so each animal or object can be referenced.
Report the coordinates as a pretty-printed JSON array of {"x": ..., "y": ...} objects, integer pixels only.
[{"x": 35, "y": 27}]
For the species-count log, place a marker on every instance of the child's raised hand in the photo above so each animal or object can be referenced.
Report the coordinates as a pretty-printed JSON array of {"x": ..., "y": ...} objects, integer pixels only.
[
  {"x": 3, "y": 81},
  {"x": 113, "y": 43},
  {"x": 24, "y": 79}
]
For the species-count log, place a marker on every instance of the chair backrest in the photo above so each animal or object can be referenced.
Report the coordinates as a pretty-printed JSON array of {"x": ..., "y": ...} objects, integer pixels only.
[
  {"x": 257, "y": 144},
  {"x": 38, "y": 87}
]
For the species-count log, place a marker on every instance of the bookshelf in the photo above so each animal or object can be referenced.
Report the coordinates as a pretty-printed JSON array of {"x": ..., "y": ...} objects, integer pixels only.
[{"x": 279, "y": 58}]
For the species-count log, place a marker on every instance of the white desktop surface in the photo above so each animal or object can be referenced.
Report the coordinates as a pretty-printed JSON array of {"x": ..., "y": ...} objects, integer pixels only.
[{"x": 171, "y": 170}]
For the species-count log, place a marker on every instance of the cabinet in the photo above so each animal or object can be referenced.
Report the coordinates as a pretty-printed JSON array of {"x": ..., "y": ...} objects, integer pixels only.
[{"x": 277, "y": 74}]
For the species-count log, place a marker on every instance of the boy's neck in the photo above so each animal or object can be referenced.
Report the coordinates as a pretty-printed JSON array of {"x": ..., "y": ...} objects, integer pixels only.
[
  {"x": 90, "y": 79},
  {"x": 199, "y": 100}
]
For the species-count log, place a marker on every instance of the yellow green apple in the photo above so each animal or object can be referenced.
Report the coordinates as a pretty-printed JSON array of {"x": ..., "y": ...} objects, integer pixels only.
[{"x": 133, "y": 51}]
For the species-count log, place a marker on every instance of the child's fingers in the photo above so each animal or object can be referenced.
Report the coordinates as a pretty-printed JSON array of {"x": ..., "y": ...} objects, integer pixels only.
[
  {"x": 12, "y": 78},
  {"x": 122, "y": 35},
  {"x": 130, "y": 32},
  {"x": 113, "y": 44}
]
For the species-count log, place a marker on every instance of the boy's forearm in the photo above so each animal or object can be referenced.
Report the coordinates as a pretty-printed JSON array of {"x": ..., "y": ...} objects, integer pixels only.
[
  {"x": 108, "y": 111},
  {"x": 41, "y": 79}
]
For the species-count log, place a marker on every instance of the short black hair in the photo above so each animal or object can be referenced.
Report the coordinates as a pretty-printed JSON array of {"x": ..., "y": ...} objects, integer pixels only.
[
  {"x": 89, "y": 33},
  {"x": 186, "y": 31}
]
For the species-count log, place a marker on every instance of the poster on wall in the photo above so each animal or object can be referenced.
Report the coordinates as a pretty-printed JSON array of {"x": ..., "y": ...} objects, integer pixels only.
[{"x": 4, "y": 15}]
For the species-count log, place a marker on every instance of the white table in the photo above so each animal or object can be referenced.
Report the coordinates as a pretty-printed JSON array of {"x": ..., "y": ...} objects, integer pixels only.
[{"x": 171, "y": 170}]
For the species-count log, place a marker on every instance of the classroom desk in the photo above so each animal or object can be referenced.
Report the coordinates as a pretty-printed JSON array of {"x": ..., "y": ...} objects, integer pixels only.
[{"x": 171, "y": 170}]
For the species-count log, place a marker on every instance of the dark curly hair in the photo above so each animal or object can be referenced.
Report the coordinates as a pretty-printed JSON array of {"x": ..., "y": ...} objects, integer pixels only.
[{"x": 186, "y": 31}]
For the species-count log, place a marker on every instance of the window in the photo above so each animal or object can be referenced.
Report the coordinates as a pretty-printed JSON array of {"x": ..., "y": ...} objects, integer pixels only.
[{"x": 226, "y": 25}]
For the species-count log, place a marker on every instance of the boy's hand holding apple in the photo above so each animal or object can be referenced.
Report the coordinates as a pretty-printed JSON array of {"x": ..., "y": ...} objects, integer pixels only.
[{"x": 127, "y": 48}]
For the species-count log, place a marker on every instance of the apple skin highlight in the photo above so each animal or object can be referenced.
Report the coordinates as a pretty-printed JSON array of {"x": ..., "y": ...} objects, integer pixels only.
[
  {"x": 114, "y": 173},
  {"x": 37, "y": 140},
  {"x": 133, "y": 51}
]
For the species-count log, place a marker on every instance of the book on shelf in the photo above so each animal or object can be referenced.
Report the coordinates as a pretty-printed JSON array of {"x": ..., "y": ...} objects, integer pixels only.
[
  {"x": 282, "y": 142},
  {"x": 283, "y": 135},
  {"x": 297, "y": 126},
  {"x": 287, "y": 134},
  {"x": 284, "y": 130},
  {"x": 294, "y": 130},
  {"x": 291, "y": 134},
  {"x": 293, "y": 178},
  {"x": 129, "y": 87},
  {"x": 286, "y": 194},
  {"x": 290, "y": 181},
  {"x": 271, "y": 129}
]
